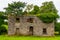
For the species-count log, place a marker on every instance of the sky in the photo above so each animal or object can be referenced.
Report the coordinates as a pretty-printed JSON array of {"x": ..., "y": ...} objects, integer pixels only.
[{"x": 4, "y": 3}]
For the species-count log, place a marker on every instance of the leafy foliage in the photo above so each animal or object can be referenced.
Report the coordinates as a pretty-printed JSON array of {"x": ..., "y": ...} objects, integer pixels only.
[
  {"x": 15, "y": 8},
  {"x": 57, "y": 27},
  {"x": 35, "y": 10},
  {"x": 2, "y": 18},
  {"x": 3, "y": 30},
  {"x": 48, "y": 17},
  {"x": 48, "y": 12},
  {"x": 48, "y": 7}
]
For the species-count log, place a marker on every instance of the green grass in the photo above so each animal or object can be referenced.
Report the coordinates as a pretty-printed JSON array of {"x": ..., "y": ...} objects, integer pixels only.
[{"x": 4, "y": 37}]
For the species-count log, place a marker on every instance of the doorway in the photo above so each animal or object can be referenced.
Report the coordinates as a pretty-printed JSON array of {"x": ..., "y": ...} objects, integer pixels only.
[
  {"x": 31, "y": 30},
  {"x": 17, "y": 31}
]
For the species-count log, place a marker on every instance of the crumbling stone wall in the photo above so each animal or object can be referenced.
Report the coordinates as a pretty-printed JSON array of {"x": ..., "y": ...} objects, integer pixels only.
[{"x": 24, "y": 26}]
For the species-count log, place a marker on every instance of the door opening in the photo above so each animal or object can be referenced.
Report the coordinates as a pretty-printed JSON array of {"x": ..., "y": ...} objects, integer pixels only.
[
  {"x": 31, "y": 30},
  {"x": 17, "y": 31}
]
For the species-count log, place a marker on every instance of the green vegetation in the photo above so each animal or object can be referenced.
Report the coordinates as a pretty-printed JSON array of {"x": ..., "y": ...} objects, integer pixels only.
[
  {"x": 3, "y": 30},
  {"x": 47, "y": 12},
  {"x": 15, "y": 8},
  {"x": 57, "y": 27},
  {"x": 35, "y": 10},
  {"x": 48, "y": 17},
  {"x": 3, "y": 37}
]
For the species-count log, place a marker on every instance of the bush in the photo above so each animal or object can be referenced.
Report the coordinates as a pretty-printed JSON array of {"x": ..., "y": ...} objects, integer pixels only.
[
  {"x": 48, "y": 17},
  {"x": 3, "y": 30},
  {"x": 57, "y": 27}
]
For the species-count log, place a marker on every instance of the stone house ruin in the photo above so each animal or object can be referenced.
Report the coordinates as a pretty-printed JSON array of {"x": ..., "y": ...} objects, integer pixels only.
[{"x": 29, "y": 25}]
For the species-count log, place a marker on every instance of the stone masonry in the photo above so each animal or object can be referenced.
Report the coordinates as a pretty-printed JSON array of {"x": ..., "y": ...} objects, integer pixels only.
[{"x": 23, "y": 27}]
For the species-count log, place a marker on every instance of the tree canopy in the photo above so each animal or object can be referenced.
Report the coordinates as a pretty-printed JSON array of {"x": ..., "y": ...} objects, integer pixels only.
[
  {"x": 15, "y": 8},
  {"x": 57, "y": 27},
  {"x": 2, "y": 18},
  {"x": 48, "y": 12},
  {"x": 35, "y": 10},
  {"x": 48, "y": 7}
]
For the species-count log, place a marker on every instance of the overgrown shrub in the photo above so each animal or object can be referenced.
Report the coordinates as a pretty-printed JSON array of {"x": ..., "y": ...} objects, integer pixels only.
[
  {"x": 3, "y": 30},
  {"x": 48, "y": 17}
]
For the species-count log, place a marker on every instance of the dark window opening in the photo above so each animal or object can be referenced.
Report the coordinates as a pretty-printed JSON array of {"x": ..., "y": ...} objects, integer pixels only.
[
  {"x": 30, "y": 20},
  {"x": 31, "y": 30},
  {"x": 44, "y": 31},
  {"x": 17, "y": 19},
  {"x": 17, "y": 28}
]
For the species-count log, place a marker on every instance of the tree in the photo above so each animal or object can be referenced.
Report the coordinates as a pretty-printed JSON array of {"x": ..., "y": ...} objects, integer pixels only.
[
  {"x": 48, "y": 12},
  {"x": 57, "y": 27},
  {"x": 35, "y": 10},
  {"x": 2, "y": 18},
  {"x": 48, "y": 17},
  {"x": 48, "y": 7},
  {"x": 15, "y": 8}
]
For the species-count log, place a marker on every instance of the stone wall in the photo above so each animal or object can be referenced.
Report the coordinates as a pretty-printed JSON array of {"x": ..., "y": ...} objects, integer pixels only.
[{"x": 24, "y": 26}]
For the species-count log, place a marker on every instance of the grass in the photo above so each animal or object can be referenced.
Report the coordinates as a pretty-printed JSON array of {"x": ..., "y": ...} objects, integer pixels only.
[{"x": 4, "y": 37}]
